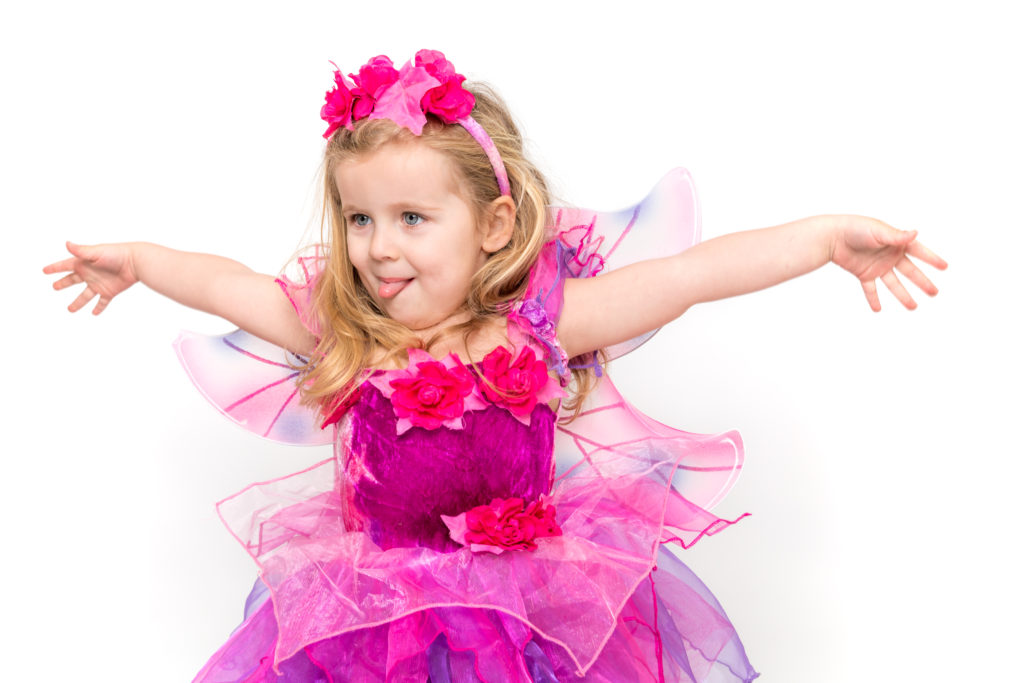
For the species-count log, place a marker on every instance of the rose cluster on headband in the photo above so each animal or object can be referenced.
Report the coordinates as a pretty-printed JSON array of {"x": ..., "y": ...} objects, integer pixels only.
[{"x": 426, "y": 85}]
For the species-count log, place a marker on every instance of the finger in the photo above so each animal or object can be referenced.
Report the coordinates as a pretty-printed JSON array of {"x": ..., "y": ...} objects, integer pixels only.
[
  {"x": 67, "y": 281},
  {"x": 914, "y": 274},
  {"x": 872, "y": 295},
  {"x": 898, "y": 290},
  {"x": 83, "y": 298},
  {"x": 919, "y": 251},
  {"x": 897, "y": 236},
  {"x": 59, "y": 266},
  {"x": 82, "y": 251},
  {"x": 101, "y": 305}
]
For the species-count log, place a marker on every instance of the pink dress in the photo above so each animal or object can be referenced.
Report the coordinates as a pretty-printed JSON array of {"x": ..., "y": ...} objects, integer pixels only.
[{"x": 364, "y": 572}]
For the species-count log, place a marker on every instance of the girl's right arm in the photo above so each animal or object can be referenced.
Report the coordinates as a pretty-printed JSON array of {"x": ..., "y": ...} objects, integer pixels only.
[{"x": 214, "y": 284}]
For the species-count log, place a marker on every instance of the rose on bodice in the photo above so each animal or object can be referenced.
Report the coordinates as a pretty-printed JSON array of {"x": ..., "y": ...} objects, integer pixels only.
[
  {"x": 430, "y": 393},
  {"x": 517, "y": 384},
  {"x": 505, "y": 524}
]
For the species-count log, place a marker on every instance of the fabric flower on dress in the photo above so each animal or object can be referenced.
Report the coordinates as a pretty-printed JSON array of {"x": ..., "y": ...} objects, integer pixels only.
[
  {"x": 430, "y": 393},
  {"x": 505, "y": 524},
  {"x": 517, "y": 385}
]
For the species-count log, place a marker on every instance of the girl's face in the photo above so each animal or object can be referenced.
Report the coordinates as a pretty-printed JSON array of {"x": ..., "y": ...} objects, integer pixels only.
[{"x": 411, "y": 236}]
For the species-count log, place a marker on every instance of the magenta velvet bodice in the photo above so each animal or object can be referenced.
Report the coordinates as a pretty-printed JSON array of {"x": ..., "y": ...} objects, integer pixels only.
[{"x": 401, "y": 484}]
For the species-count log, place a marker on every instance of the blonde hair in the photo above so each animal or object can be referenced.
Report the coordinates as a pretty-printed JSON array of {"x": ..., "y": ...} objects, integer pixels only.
[{"x": 353, "y": 329}]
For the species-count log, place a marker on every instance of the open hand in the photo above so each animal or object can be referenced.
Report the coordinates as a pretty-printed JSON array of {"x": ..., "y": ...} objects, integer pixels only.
[
  {"x": 871, "y": 249},
  {"x": 106, "y": 270}
]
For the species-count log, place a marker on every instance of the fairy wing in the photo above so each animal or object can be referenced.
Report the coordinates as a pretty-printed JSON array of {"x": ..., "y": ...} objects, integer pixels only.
[
  {"x": 666, "y": 221},
  {"x": 252, "y": 383},
  {"x": 584, "y": 243},
  {"x": 610, "y": 435}
]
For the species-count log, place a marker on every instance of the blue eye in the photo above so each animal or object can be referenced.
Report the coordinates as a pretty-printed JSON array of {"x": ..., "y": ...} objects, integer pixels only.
[
  {"x": 410, "y": 218},
  {"x": 359, "y": 219}
]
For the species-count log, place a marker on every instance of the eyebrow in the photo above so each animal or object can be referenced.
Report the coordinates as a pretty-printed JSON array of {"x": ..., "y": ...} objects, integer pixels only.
[{"x": 413, "y": 207}]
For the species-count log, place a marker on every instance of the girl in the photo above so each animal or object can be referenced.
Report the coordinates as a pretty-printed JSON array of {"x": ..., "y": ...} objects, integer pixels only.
[{"x": 448, "y": 334}]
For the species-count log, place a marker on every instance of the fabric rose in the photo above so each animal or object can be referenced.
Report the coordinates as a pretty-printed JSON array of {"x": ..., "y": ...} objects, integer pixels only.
[
  {"x": 337, "y": 109},
  {"x": 448, "y": 101},
  {"x": 373, "y": 79},
  {"x": 430, "y": 393},
  {"x": 505, "y": 524},
  {"x": 517, "y": 385}
]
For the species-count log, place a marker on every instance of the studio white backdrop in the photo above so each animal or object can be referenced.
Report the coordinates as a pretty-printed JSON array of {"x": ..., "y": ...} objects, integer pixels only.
[{"x": 883, "y": 460}]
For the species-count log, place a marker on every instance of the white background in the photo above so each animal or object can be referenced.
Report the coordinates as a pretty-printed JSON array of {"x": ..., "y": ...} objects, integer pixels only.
[{"x": 883, "y": 450}]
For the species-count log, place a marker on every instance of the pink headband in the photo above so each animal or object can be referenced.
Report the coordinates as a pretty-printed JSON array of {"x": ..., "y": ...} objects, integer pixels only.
[{"x": 428, "y": 86}]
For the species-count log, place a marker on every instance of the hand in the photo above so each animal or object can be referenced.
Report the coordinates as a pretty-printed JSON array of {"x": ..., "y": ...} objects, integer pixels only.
[
  {"x": 105, "y": 269},
  {"x": 870, "y": 249}
]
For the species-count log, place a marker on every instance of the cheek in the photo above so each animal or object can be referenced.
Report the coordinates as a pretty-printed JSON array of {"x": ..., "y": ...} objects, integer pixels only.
[{"x": 356, "y": 253}]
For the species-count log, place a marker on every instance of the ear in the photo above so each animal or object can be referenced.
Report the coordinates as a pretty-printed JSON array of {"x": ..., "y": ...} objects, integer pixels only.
[{"x": 499, "y": 224}]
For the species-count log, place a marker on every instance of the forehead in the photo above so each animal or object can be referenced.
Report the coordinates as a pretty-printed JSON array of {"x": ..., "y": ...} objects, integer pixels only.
[{"x": 402, "y": 171}]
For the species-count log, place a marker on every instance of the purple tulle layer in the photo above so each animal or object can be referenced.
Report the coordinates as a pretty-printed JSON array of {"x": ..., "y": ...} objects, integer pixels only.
[{"x": 671, "y": 629}]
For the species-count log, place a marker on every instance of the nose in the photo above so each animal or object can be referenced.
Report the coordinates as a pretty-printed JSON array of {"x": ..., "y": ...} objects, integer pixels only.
[{"x": 382, "y": 244}]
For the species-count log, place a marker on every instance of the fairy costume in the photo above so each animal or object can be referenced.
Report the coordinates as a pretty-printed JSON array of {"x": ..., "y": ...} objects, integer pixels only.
[{"x": 374, "y": 564}]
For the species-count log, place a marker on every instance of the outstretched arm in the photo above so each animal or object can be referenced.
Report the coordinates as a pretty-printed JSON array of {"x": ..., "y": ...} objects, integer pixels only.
[
  {"x": 209, "y": 283},
  {"x": 628, "y": 302}
]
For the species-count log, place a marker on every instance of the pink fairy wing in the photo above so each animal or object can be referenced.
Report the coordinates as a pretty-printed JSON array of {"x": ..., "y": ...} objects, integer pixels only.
[
  {"x": 665, "y": 222},
  {"x": 252, "y": 382},
  {"x": 612, "y": 434},
  {"x": 610, "y": 430}
]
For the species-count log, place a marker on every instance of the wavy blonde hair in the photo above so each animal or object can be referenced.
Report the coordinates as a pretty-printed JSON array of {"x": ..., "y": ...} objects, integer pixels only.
[{"x": 354, "y": 331}]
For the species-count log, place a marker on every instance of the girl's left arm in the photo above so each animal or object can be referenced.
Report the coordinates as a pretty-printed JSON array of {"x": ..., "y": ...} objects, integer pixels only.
[{"x": 612, "y": 308}]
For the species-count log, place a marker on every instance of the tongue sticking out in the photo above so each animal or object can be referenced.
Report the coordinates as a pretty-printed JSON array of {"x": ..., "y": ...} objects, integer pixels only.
[{"x": 388, "y": 290}]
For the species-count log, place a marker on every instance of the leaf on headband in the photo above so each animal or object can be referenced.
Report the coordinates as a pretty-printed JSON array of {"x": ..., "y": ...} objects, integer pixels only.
[{"x": 400, "y": 102}]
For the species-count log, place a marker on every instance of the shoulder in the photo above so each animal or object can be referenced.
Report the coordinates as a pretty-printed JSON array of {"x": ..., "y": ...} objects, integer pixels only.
[{"x": 299, "y": 280}]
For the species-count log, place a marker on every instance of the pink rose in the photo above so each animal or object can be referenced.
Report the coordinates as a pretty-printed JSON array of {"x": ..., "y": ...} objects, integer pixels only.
[
  {"x": 375, "y": 76},
  {"x": 373, "y": 79},
  {"x": 505, "y": 524},
  {"x": 430, "y": 393},
  {"x": 517, "y": 385},
  {"x": 337, "y": 109},
  {"x": 543, "y": 519},
  {"x": 436, "y": 65},
  {"x": 448, "y": 101}
]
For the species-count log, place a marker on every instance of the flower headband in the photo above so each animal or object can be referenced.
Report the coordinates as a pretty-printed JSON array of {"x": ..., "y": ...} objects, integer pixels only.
[{"x": 428, "y": 86}]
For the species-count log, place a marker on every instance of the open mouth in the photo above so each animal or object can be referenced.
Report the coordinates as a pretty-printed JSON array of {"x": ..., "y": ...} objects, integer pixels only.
[{"x": 390, "y": 287}]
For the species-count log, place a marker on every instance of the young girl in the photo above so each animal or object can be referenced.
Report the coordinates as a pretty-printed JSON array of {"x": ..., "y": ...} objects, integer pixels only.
[{"x": 494, "y": 510}]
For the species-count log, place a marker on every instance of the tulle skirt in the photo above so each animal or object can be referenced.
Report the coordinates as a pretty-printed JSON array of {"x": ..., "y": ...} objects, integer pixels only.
[
  {"x": 605, "y": 601},
  {"x": 671, "y": 629}
]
